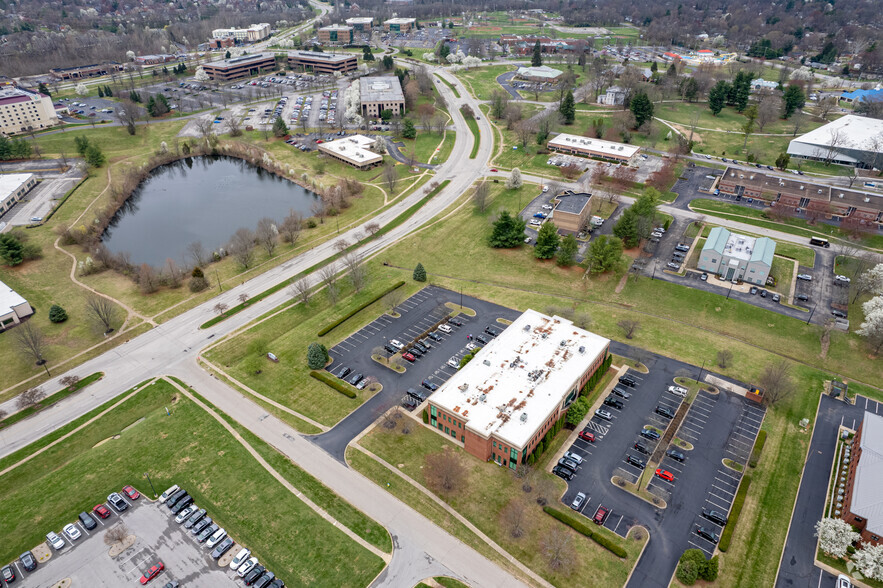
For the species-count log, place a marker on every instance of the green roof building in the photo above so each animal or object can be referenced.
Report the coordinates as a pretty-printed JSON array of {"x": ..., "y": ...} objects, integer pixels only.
[{"x": 737, "y": 257}]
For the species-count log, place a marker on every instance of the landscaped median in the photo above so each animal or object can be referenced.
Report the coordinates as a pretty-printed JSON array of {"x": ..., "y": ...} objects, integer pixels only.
[
  {"x": 735, "y": 511},
  {"x": 329, "y": 327},
  {"x": 50, "y": 400},
  {"x": 334, "y": 382},
  {"x": 580, "y": 526}
]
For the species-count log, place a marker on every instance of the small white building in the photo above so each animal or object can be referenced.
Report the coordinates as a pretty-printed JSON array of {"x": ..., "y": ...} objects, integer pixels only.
[
  {"x": 761, "y": 84},
  {"x": 596, "y": 148},
  {"x": 13, "y": 307},
  {"x": 353, "y": 150},
  {"x": 615, "y": 96},
  {"x": 13, "y": 188}
]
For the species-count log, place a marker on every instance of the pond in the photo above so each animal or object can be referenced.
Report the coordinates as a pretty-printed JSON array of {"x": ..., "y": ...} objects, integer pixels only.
[{"x": 202, "y": 199}]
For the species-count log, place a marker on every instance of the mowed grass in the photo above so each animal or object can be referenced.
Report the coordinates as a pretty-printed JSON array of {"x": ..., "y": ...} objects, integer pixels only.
[
  {"x": 727, "y": 120},
  {"x": 482, "y": 81},
  {"x": 486, "y": 492},
  {"x": 191, "y": 449},
  {"x": 287, "y": 335}
]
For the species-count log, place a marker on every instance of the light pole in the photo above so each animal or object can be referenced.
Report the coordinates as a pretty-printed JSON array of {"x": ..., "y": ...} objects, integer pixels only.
[
  {"x": 810, "y": 314},
  {"x": 146, "y": 475},
  {"x": 730, "y": 290},
  {"x": 699, "y": 379}
]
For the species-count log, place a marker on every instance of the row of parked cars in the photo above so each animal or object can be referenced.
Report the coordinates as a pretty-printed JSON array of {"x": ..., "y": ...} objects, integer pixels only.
[{"x": 215, "y": 538}]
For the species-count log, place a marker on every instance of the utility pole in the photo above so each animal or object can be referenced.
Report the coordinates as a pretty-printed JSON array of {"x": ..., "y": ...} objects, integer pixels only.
[
  {"x": 810, "y": 314},
  {"x": 219, "y": 281}
]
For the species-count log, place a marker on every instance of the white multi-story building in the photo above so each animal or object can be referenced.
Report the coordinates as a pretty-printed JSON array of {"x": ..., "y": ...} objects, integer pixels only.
[
  {"x": 255, "y": 32},
  {"x": 24, "y": 110}
]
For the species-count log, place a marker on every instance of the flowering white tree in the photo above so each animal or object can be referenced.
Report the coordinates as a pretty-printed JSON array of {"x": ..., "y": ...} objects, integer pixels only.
[
  {"x": 200, "y": 75},
  {"x": 514, "y": 180},
  {"x": 82, "y": 90},
  {"x": 470, "y": 62},
  {"x": 872, "y": 280},
  {"x": 835, "y": 535},
  {"x": 352, "y": 106},
  {"x": 429, "y": 56},
  {"x": 872, "y": 327},
  {"x": 363, "y": 67},
  {"x": 456, "y": 57},
  {"x": 130, "y": 55},
  {"x": 869, "y": 560},
  {"x": 337, "y": 75}
]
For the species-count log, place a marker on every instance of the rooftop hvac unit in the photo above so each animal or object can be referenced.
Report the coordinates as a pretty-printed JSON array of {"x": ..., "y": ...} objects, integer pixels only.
[
  {"x": 463, "y": 387},
  {"x": 840, "y": 195},
  {"x": 545, "y": 335},
  {"x": 801, "y": 186},
  {"x": 563, "y": 343},
  {"x": 867, "y": 199},
  {"x": 482, "y": 398},
  {"x": 582, "y": 349},
  {"x": 523, "y": 417},
  {"x": 820, "y": 190},
  {"x": 486, "y": 362},
  {"x": 526, "y": 328},
  {"x": 751, "y": 177}
]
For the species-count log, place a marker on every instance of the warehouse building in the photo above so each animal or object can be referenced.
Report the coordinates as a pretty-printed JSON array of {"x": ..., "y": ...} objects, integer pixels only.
[
  {"x": 849, "y": 140},
  {"x": 862, "y": 501},
  {"x": 400, "y": 25},
  {"x": 736, "y": 257},
  {"x": 500, "y": 405},
  {"x": 336, "y": 35},
  {"x": 322, "y": 63},
  {"x": 13, "y": 308},
  {"x": 361, "y": 24},
  {"x": 13, "y": 188},
  {"x": 590, "y": 147},
  {"x": 243, "y": 66},
  {"x": 377, "y": 94},
  {"x": 353, "y": 150},
  {"x": 25, "y": 110}
]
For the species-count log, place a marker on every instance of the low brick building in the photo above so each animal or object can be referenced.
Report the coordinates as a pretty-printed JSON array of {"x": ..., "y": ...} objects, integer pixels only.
[
  {"x": 240, "y": 67},
  {"x": 571, "y": 211},
  {"x": 336, "y": 35},
  {"x": 322, "y": 63},
  {"x": 862, "y": 499},
  {"x": 400, "y": 25}
]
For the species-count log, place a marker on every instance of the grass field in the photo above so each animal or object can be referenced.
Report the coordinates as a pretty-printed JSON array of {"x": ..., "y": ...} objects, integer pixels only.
[
  {"x": 727, "y": 120},
  {"x": 476, "y": 135},
  {"x": 482, "y": 81},
  {"x": 191, "y": 449}
]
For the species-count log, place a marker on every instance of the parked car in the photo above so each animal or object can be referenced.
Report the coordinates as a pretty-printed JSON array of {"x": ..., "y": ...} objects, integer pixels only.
[
  {"x": 101, "y": 511},
  {"x": 563, "y": 473},
  {"x": 603, "y": 414},
  {"x": 206, "y": 533},
  {"x": 343, "y": 372},
  {"x": 715, "y": 516},
  {"x": 675, "y": 454},
  {"x": 838, "y": 313},
  {"x": 453, "y": 363},
  {"x": 409, "y": 357},
  {"x": 681, "y": 247},
  {"x": 421, "y": 347},
  {"x": 414, "y": 351},
  {"x": 621, "y": 392},
  {"x": 54, "y": 540},
  {"x": 567, "y": 463},
  {"x": 240, "y": 558},
  {"x": 72, "y": 532},
  {"x": 185, "y": 513},
  {"x": 455, "y": 321},
  {"x": 673, "y": 265},
  {"x": 776, "y": 298},
  {"x": 573, "y": 457},
  {"x": 678, "y": 391},
  {"x": 802, "y": 297},
  {"x": 194, "y": 518},
  {"x": 665, "y": 474},
  {"x": 152, "y": 572},
  {"x": 842, "y": 279},
  {"x": 434, "y": 336},
  {"x": 256, "y": 572},
  {"x": 28, "y": 561},
  {"x": 587, "y": 436},
  {"x": 614, "y": 402},
  {"x": 87, "y": 521},
  {"x": 481, "y": 339},
  {"x": 627, "y": 381},
  {"x": 649, "y": 434},
  {"x": 396, "y": 343},
  {"x": 806, "y": 277},
  {"x": 578, "y": 500},
  {"x": 640, "y": 447},
  {"x": 635, "y": 461},
  {"x": 182, "y": 504},
  {"x": 843, "y": 581},
  {"x": 356, "y": 379},
  {"x": 117, "y": 502},
  {"x": 131, "y": 493},
  {"x": 429, "y": 385},
  {"x": 707, "y": 534},
  {"x": 7, "y": 574},
  {"x": 601, "y": 515},
  {"x": 753, "y": 290},
  {"x": 174, "y": 498},
  {"x": 389, "y": 348},
  {"x": 665, "y": 411},
  {"x": 265, "y": 580},
  {"x": 245, "y": 567},
  {"x": 201, "y": 525},
  {"x": 222, "y": 548}
]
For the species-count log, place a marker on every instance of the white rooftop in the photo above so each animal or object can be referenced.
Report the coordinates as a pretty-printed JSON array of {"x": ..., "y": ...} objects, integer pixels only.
[
  {"x": 542, "y": 71},
  {"x": 514, "y": 384},
  {"x": 380, "y": 89},
  {"x": 360, "y": 20},
  {"x": 353, "y": 148},
  {"x": 867, "y": 500},
  {"x": 599, "y": 145},
  {"x": 9, "y": 183},
  {"x": 8, "y": 299},
  {"x": 400, "y": 21},
  {"x": 859, "y": 131},
  {"x": 739, "y": 246}
]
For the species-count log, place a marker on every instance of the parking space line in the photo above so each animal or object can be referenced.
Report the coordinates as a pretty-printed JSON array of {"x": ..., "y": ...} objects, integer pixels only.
[
  {"x": 721, "y": 497},
  {"x": 726, "y": 507}
]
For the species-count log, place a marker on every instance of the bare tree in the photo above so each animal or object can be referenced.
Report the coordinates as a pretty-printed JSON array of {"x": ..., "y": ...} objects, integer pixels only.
[
  {"x": 798, "y": 120},
  {"x": 291, "y": 227},
  {"x": 391, "y": 177},
  {"x": 116, "y": 534},
  {"x": 776, "y": 381},
  {"x": 102, "y": 311},
  {"x": 628, "y": 327},
  {"x": 556, "y": 548},
  {"x": 243, "y": 298},
  {"x": 514, "y": 517},
  {"x": 198, "y": 254},
  {"x": 31, "y": 342},
  {"x": 220, "y": 308},
  {"x": 319, "y": 208},
  {"x": 234, "y": 126},
  {"x": 480, "y": 195},
  {"x": 329, "y": 278},
  {"x": 357, "y": 272},
  {"x": 768, "y": 110},
  {"x": 301, "y": 290},
  {"x": 147, "y": 279},
  {"x": 69, "y": 381},
  {"x": 837, "y": 138},
  {"x": 30, "y": 398},
  {"x": 724, "y": 358},
  {"x": 392, "y": 300},
  {"x": 128, "y": 114},
  {"x": 204, "y": 126},
  {"x": 372, "y": 228},
  {"x": 341, "y": 245},
  {"x": 266, "y": 235},
  {"x": 445, "y": 471},
  {"x": 241, "y": 247},
  {"x": 173, "y": 273}
]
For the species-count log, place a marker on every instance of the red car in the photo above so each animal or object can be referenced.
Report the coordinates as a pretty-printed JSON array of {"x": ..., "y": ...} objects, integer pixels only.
[
  {"x": 586, "y": 436},
  {"x": 409, "y": 357},
  {"x": 493, "y": 169},
  {"x": 601, "y": 515},
  {"x": 131, "y": 492},
  {"x": 152, "y": 573},
  {"x": 101, "y": 511},
  {"x": 665, "y": 475}
]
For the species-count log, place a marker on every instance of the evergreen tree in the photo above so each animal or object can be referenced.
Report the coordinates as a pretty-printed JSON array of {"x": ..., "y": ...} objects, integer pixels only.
[
  {"x": 227, "y": 54},
  {"x": 653, "y": 67},
  {"x": 419, "y": 273},
  {"x": 508, "y": 231},
  {"x": 794, "y": 99},
  {"x": 626, "y": 228},
  {"x": 782, "y": 161},
  {"x": 567, "y": 251},
  {"x": 279, "y": 127},
  {"x": 537, "y": 59},
  {"x": 690, "y": 89},
  {"x": 642, "y": 108},
  {"x": 740, "y": 90},
  {"x": 57, "y": 314},
  {"x": 568, "y": 108},
  {"x": 108, "y": 92},
  {"x": 43, "y": 89},
  {"x": 100, "y": 92},
  {"x": 366, "y": 53},
  {"x": 388, "y": 62},
  {"x": 408, "y": 130},
  {"x": 94, "y": 157},
  {"x": 717, "y": 97},
  {"x": 672, "y": 71},
  {"x": 604, "y": 254},
  {"x": 11, "y": 250},
  {"x": 547, "y": 241},
  {"x": 317, "y": 356},
  {"x": 81, "y": 143}
]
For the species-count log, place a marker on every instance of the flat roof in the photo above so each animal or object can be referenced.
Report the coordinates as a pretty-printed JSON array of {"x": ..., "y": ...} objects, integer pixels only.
[
  {"x": 240, "y": 60},
  {"x": 353, "y": 149},
  {"x": 741, "y": 247},
  {"x": 542, "y": 71},
  {"x": 336, "y": 27},
  {"x": 321, "y": 56},
  {"x": 591, "y": 144},
  {"x": 9, "y": 298},
  {"x": 400, "y": 21},
  {"x": 9, "y": 183},
  {"x": 512, "y": 386},
  {"x": 859, "y": 130},
  {"x": 867, "y": 500},
  {"x": 360, "y": 20},
  {"x": 380, "y": 89},
  {"x": 574, "y": 203}
]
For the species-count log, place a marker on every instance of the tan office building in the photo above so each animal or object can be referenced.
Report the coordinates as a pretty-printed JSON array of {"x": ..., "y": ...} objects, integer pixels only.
[
  {"x": 13, "y": 188},
  {"x": 361, "y": 24},
  {"x": 571, "y": 211},
  {"x": 353, "y": 150},
  {"x": 322, "y": 63},
  {"x": 381, "y": 93},
  {"x": 85, "y": 71},
  {"x": 243, "y": 66},
  {"x": 13, "y": 308},
  {"x": 597, "y": 148},
  {"x": 400, "y": 25},
  {"x": 23, "y": 110},
  {"x": 336, "y": 35}
]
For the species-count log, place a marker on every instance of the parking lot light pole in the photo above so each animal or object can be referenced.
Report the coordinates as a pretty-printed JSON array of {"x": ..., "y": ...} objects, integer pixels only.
[
  {"x": 810, "y": 314},
  {"x": 146, "y": 475},
  {"x": 699, "y": 379},
  {"x": 730, "y": 290}
]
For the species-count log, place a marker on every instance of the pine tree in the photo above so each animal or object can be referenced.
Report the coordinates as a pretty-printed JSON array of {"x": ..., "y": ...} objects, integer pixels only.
[
  {"x": 568, "y": 108},
  {"x": 547, "y": 241},
  {"x": 317, "y": 356},
  {"x": 43, "y": 89},
  {"x": 508, "y": 231},
  {"x": 279, "y": 127},
  {"x": 419, "y": 273},
  {"x": 794, "y": 99},
  {"x": 653, "y": 67},
  {"x": 408, "y": 129},
  {"x": 537, "y": 59},
  {"x": 642, "y": 107},
  {"x": 717, "y": 97},
  {"x": 57, "y": 314},
  {"x": 100, "y": 92},
  {"x": 567, "y": 251}
]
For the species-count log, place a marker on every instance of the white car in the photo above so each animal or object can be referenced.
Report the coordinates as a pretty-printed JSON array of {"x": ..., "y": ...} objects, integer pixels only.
[
  {"x": 535, "y": 222},
  {"x": 246, "y": 567},
  {"x": 573, "y": 457},
  {"x": 72, "y": 532},
  {"x": 215, "y": 539},
  {"x": 445, "y": 328},
  {"x": 165, "y": 495},
  {"x": 678, "y": 391},
  {"x": 396, "y": 343},
  {"x": 545, "y": 189},
  {"x": 454, "y": 363},
  {"x": 839, "y": 278},
  {"x": 843, "y": 582},
  {"x": 54, "y": 540},
  {"x": 240, "y": 558},
  {"x": 185, "y": 514},
  {"x": 471, "y": 346},
  {"x": 547, "y": 207}
]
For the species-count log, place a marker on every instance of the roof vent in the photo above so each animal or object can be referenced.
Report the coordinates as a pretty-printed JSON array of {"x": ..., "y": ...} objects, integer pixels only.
[
  {"x": 545, "y": 335},
  {"x": 563, "y": 343},
  {"x": 801, "y": 186},
  {"x": 524, "y": 417},
  {"x": 840, "y": 195}
]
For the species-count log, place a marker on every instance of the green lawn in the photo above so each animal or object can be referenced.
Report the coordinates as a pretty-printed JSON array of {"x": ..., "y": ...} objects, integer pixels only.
[
  {"x": 783, "y": 271},
  {"x": 483, "y": 80},
  {"x": 191, "y": 449},
  {"x": 423, "y": 147},
  {"x": 727, "y": 120},
  {"x": 476, "y": 135}
]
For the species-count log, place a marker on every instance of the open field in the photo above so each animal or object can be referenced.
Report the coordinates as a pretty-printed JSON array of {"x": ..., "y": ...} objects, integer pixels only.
[
  {"x": 727, "y": 120},
  {"x": 482, "y": 81},
  {"x": 191, "y": 449}
]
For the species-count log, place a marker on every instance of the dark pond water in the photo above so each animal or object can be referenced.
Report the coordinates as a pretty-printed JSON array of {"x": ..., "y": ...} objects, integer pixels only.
[{"x": 199, "y": 199}]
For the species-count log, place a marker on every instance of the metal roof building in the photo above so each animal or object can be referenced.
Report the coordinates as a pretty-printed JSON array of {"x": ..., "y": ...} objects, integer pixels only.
[
  {"x": 849, "y": 140},
  {"x": 862, "y": 499}
]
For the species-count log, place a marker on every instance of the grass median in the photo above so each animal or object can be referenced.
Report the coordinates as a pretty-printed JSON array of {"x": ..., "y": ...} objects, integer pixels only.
[
  {"x": 50, "y": 400},
  {"x": 476, "y": 135}
]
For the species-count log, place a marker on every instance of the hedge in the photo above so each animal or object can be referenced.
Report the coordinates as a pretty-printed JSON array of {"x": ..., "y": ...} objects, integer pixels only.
[
  {"x": 758, "y": 447},
  {"x": 331, "y": 326},
  {"x": 332, "y": 381},
  {"x": 727, "y": 535},
  {"x": 580, "y": 527}
]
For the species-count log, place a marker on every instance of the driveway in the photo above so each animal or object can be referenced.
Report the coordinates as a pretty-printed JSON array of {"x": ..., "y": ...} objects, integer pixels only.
[{"x": 504, "y": 80}]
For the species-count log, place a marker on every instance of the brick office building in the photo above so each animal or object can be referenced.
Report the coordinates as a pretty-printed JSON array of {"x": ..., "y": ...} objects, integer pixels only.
[
  {"x": 322, "y": 63},
  {"x": 862, "y": 499},
  {"x": 236, "y": 68},
  {"x": 336, "y": 34},
  {"x": 501, "y": 404}
]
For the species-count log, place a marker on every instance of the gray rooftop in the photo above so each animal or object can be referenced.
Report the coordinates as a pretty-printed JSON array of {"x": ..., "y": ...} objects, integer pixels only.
[
  {"x": 380, "y": 89},
  {"x": 572, "y": 203},
  {"x": 241, "y": 59},
  {"x": 867, "y": 500},
  {"x": 329, "y": 57}
]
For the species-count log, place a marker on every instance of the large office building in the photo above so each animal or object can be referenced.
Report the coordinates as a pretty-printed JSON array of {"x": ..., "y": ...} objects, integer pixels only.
[
  {"x": 85, "y": 71},
  {"x": 322, "y": 63},
  {"x": 23, "y": 110},
  {"x": 13, "y": 188},
  {"x": 862, "y": 500},
  {"x": 524, "y": 44},
  {"x": 353, "y": 150},
  {"x": 735, "y": 257},
  {"x": 377, "y": 94},
  {"x": 500, "y": 405},
  {"x": 571, "y": 211},
  {"x": 849, "y": 140},
  {"x": 361, "y": 24},
  {"x": 13, "y": 308},
  {"x": 243, "y": 66},
  {"x": 591, "y": 147},
  {"x": 820, "y": 200},
  {"x": 400, "y": 25},
  {"x": 251, "y": 34},
  {"x": 336, "y": 35}
]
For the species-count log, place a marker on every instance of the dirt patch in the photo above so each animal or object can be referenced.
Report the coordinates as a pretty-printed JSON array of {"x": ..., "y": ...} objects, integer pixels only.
[
  {"x": 117, "y": 548},
  {"x": 103, "y": 441},
  {"x": 62, "y": 583},
  {"x": 42, "y": 552}
]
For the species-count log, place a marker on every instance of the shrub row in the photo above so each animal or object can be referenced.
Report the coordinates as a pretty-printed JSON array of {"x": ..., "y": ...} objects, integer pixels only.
[
  {"x": 739, "y": 501},
  {"x": 335, "y": 383},
  {"x": 758, "y": 447},
  {"x": 331, "y": 326},
  {"x": 581, "y": 527}
]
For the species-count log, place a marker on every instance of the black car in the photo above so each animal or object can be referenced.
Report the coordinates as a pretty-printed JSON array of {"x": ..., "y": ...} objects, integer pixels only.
[
  {"x": 640, "y": 447},
  {"x": 265, "y": 580},
  {"x": 342, "y": 372},
  {"x": 182, "y": 504},
  {"x": 675, "y": 454},
  {"x": 207, "y": 532},
  {"x": 568, "y": 463},
  {"x": 649, "y": 434},
  {"x": 562, "y": 472},
  {"x": 455, "y": 321},
  {"x": 201, "y": 525},
  {"x": 434, "y": 336},
  {"x": 481, "y": 339},
  {"x": 490, "y": 331},
  {"x": 621, "y": 392},
  {"x": 707, "y": 534},
  {"x": 222, "y": 548},
  {"x": 663, "y": 411},
  {"x": 838, "y": 313},
  {"x": 414, "y": 351},
  {"x": 421, "y": 347},
  {"x": 28, "y": 561},
  {"x": 88, "y": 521},
  {"x": 194, "y": 518},
  {"x": 715, "y": 516},
  {"x": 277, "y": 583},
  {"x": 613, "y": 401},
  {"x": 627, "y": 381},
  {"x": 390, "y": 349},
  {"x": 429, "y": 385},
  {"x": 255, "y": 573},
  {"x": 803, "y": 297},
  {"x": 416, "y": 394},
  {"x": 356, "y": 379},
  {"x": 635, "y": 461},
  {"x": 7, "y": 574}
]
